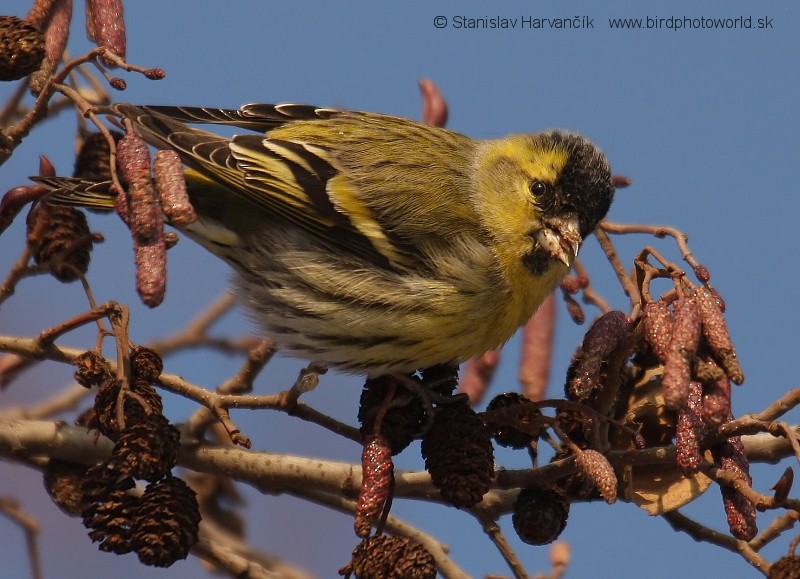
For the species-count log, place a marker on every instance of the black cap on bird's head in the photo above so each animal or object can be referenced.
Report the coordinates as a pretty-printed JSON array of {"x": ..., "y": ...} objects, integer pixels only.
[
  {"x": 575, "y": 203},
  {"x": 584, "y": 183},
  {"x": 587, "y": 180}
]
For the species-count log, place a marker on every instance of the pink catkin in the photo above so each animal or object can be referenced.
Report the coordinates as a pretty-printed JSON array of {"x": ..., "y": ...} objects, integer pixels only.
[
  {"x": 144, "y": 217},
  {"x": 434, "y": 106},
  {"x": 717, "y": 401},
  {"x": 682, "y": 346},
  {"x": 478, "y": 374},
  {"x": 133, "y": 161},
  {"x": 605, "y": 335},
  {"x": 56, "y": 35},
  {"x": 689, "y": 430},
  {"x": 716, "y": 333},
  {"x": 151, "y": 270},
  {"x": 377, "y": 472},
  {"x": 171, "y": 188},
  {"x": 657, "y": 323},
  {"x": 537, "y": 351},
  {"x": 105, "y": 24},
  {"x": 741, "y": 512}
]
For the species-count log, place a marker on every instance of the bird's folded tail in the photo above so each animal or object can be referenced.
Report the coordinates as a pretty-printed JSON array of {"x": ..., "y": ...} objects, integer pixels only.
[
  {"x": 78, "y": 192},
  {"x": 165, "y": 127}
]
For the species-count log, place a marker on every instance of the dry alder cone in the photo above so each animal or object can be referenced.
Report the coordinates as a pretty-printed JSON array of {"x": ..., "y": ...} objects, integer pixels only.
[
  {"x": 165, "y": 525},
  {"x": 385, "y": 557},
  {"x": 402, "y": 421},
  {"x": 515, "y": 432},
  {"x": 61, "y": 235},
  {"x": 162, "y": 525},
  {"x": 94, "y": 157},
  {"x": 146, "y": 449},
  {"x": 785, "y": 568},
  {"x": 141, "y": 399},
  {"x": 108, "y": 508},
  {"x": 540, "y": 515},
  {"x": 459, "y": 455},
  {"x": 146, "y": 364},
  {"x": 63, "y": 481},
  {"x": 93, "y": 370},
  {"x": 21, "y": 48},
  {"x": 105, "y": 405}
]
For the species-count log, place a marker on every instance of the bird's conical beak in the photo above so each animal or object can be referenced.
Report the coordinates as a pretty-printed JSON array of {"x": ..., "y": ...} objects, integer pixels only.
[{"x": 561, "y": 238}]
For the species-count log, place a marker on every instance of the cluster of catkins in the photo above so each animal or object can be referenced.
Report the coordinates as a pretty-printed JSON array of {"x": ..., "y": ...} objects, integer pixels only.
[
  {"x": 690, "y": 338},
  {"x": 155, "y": 191}
]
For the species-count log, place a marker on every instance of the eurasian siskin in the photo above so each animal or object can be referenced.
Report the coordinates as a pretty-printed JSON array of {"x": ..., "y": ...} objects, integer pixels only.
[{"x": 373, "y": 243}]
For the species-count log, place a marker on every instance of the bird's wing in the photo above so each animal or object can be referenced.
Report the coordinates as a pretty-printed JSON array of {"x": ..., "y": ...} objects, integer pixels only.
[
  {"x": 294, "y": 180},
  {"x": 254, "y": 117}
]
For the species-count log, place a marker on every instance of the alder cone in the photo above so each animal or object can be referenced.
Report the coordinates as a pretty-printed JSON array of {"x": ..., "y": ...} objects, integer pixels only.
[
  {"x": 459, "y": 455},
  {"x": 21, "y": 48}
]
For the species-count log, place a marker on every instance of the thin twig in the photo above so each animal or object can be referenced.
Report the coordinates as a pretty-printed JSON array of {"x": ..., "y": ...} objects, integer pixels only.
[
  {"x": 611, "y": 254},
  {"x": 13, "y": 135},
  {"x": 495, "y": 534},
  {"x": 18, "y": 271},
  {"x": 50, "y": 335},
  {"x": 659, "y": 231},
  {"x": 778, "y": 526},
  {"x": 31, "y": 528}
]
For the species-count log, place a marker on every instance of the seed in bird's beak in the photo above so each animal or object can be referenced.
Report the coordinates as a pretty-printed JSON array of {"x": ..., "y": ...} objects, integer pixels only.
[{"x": 560, "y": 237}]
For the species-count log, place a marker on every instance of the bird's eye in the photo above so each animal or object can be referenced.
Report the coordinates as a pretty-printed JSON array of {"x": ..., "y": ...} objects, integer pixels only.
[{"x": 539, "y": 188}]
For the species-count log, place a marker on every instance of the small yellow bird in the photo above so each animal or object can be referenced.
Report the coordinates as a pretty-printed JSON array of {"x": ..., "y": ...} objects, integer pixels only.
[{"x": 372, "y": 243}]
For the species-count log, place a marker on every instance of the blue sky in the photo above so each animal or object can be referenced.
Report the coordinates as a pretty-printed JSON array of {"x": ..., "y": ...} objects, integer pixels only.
[{"x": 704, "y": 122}]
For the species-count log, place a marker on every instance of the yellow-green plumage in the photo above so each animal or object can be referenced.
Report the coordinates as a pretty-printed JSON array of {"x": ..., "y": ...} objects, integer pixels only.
[{"x": 373, "y": 243}]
